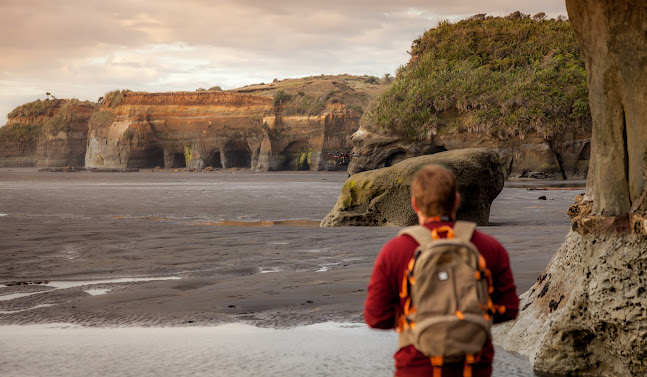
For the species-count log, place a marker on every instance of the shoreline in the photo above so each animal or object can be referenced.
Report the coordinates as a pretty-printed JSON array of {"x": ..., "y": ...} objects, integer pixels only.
[{"x": 231, "y": 238}]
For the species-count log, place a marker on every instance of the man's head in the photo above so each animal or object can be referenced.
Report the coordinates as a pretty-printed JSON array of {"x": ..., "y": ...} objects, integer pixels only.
[{"x": 433, "y": 192}]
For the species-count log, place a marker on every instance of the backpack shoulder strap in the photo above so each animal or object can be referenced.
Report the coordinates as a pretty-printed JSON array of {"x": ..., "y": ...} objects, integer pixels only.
[
  {"x": 419, "y": 233},
  {"x": 463, "y": 230}
]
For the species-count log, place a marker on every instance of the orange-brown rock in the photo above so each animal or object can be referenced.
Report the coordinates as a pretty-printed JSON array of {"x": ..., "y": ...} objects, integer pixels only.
[
  {"x": 46, "y": 133},
  {"x": 218, "y": 129}
]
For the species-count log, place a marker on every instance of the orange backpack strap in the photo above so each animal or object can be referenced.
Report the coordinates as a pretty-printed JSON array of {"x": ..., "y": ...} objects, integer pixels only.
[
  {"x": 419, "y": 233},
  {"x": 437, "y": 365},
  {"x": 469, "y": 361},
  {"x": 463, "y": 230}
]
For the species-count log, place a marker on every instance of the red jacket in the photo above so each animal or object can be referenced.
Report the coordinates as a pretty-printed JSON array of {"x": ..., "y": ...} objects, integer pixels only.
[{"x": 383, "y": 303}]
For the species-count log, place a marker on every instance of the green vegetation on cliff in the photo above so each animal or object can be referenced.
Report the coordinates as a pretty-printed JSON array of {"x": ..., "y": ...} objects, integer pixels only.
[
  {"x": 30, "y": 121},
  {"x": 511, "y": 76},
  {"x": 114, "y": 98},
  {"x": 34, "y": 109},
  {"x": 61, "y": 121},
  {"x": 309, "y": 96},
  {"x": 20, "y": 133},
  {"x": 101, "y": 119}
]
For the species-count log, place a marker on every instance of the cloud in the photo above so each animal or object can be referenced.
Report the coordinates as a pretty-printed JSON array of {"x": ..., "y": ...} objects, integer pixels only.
[{"x": 82, "y": 49}]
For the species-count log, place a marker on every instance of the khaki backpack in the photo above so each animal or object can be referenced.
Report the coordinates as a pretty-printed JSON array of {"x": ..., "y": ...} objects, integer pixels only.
[{"x": 448, "y": 310}]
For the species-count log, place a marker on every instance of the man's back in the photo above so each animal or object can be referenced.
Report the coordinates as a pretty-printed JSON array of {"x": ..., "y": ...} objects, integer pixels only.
[{"x": 384, "y": 306}]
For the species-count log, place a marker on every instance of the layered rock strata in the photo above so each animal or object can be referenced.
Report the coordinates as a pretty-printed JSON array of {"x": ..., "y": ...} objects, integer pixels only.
[
  {"x": 218, "y": 129},
  {"x": 563, "y": 157},
  {"x": 381, "y": 197},
  {"x": 46, "y": 133}
]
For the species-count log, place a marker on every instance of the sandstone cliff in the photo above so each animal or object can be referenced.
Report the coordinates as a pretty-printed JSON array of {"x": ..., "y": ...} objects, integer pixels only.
[
  {"x": 46, "y": 133},
  {"x": 563, "y": 156},
  {"x": 219, "y": 129},
  {"x": 587, "y": 313},
  {"x": 292, "y": 124}
]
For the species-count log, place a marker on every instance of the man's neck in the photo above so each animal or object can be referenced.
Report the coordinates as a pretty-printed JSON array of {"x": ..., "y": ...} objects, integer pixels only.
[{"x": 422, "y": 219}]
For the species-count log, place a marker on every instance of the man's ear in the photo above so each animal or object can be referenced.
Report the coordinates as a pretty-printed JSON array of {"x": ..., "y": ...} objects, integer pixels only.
[
  {"x": 457, "y": 201},
  {"x": 414, "y": 205}
]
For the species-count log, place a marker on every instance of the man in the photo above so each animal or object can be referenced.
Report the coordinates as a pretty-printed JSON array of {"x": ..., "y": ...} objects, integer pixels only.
[{"x": 435, "y": 199}]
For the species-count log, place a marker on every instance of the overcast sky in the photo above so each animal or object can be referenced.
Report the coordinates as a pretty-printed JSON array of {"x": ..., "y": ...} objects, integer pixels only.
[{"x": 85, "y": 48}]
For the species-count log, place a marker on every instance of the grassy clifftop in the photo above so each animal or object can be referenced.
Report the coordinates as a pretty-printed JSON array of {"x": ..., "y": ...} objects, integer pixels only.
[
  {"x": 30, "y": 121},
  {"x": 506, "y": 76},
  {"x": 310, "y": 95}
]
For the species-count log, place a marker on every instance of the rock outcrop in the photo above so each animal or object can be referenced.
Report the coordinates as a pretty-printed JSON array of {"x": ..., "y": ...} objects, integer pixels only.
[
  {"x": 587, "y": 313},
  {"x": 292, "y": 124},
  {"x": 381, "y": 197},
  {"x": 564, "y": 157},
  {"x": 218, "y": 129},
  {"x": 515, "y": 84},
  {"x": 46, "y": 133}
]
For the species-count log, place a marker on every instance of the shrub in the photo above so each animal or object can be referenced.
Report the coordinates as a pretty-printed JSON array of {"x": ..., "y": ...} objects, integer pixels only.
[
  {"x": 101, "y": 119},
  {"x": 372, "y": 80},
  {"x": 506, "y": 76},
  {"x": 215, "y": 89},
  {"x": 20, "y": 133},
  {"x": 281, "y": 97},
  {"x": 33, "y": 109},
  {"x": 114, "y": 98}
]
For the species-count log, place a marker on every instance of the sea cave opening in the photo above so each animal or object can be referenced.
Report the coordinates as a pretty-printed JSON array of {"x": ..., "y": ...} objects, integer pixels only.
[
  {"x": 150, "y": 158},
  {"x": 178, "y": 160},
  {"x": 214, "y": 160},
  {"x": 238, "y": 155},
  {"x": 296, "y": 156}
]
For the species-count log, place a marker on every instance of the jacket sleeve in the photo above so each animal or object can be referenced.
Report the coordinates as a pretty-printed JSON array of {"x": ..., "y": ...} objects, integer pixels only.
[
  {"x": 382, "y": 300},
  {"x": 505, "y": 290}
]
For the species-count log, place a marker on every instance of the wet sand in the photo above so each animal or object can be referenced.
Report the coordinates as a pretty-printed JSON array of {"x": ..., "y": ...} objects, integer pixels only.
[{"x": 244, "y": 247}]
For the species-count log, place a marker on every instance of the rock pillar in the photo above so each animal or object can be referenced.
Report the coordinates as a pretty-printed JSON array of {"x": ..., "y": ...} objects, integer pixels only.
[{"x": 587, "y": 313}]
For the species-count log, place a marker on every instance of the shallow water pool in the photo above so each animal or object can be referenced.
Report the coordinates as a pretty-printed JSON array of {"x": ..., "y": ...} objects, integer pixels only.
[{"x": 328, "y": 349}]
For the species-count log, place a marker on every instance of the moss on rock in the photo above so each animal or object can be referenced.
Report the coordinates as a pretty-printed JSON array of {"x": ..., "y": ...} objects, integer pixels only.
[{"x": 381, "y": 197}]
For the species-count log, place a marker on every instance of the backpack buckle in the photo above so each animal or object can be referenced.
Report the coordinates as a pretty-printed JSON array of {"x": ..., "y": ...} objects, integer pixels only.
[{"x": 442, "y": 229}]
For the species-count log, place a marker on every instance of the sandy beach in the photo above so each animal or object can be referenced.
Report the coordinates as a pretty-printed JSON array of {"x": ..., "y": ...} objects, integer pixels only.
[
  {"x": 246, "y": 246},
  {"x": 226, "y": 246}
]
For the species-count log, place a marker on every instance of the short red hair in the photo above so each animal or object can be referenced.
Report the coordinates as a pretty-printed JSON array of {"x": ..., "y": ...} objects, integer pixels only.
[{"x": 434, "y": 188}]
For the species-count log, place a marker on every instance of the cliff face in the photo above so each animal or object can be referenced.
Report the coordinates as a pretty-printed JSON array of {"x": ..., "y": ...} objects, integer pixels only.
[
  {"x": 563, "y": 156},
  {"x": 219, "y": 129},
  {"x": 46, "y": 133},
  {"x": 587, "y": 313},
  {"x": 516, "y": 84}
]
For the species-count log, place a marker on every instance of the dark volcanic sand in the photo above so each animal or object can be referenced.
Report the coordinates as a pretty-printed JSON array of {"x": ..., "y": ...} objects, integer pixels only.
[{"x": 98, "y": 226}]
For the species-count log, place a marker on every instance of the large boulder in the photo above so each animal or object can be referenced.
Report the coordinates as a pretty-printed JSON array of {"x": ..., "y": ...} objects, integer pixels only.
[{"x": 381, "y": 197}]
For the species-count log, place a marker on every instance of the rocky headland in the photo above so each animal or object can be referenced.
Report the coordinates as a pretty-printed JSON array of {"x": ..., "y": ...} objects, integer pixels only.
[
  {"x": 515, "y": 84},
  {"x": 52, "y": 132},
  {"x": 293, "y": 124},
  {"x": 519, "y": 88}
]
